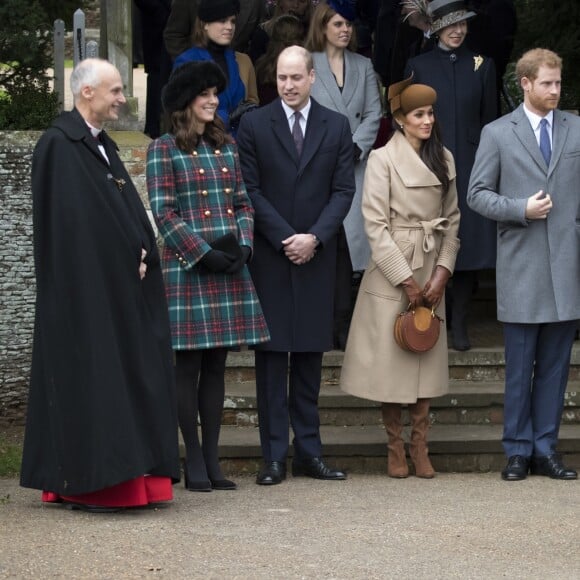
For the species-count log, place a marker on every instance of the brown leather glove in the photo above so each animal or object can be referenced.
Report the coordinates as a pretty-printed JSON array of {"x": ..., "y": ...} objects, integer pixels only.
[
  {"x": 435, "y": 287},
  {"x": 413, "y": 292}
]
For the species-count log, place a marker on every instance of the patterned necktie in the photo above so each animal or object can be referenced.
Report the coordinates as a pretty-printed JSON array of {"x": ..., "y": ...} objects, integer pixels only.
[
  {"x": 297, "y": 132},
  {"x": 545, "y": 146}
]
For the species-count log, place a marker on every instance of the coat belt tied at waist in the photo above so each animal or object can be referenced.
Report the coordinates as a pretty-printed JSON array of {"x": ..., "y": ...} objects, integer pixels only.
[{"x": 427, "y": 244}]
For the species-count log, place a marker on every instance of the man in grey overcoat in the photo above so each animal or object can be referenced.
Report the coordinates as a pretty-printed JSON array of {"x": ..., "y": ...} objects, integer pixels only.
[{"x": 526, "y": 178}]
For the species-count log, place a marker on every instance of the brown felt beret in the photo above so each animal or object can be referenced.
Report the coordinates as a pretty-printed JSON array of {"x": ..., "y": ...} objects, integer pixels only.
[{"x": 405, "y": 97}]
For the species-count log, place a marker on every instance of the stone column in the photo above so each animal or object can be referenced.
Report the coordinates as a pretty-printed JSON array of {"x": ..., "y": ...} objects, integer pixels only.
[{"x": 117, "y": 47}]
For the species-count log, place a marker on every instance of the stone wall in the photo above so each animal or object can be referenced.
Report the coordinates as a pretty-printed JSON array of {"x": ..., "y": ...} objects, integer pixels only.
[{"x": 17, "y": 287}]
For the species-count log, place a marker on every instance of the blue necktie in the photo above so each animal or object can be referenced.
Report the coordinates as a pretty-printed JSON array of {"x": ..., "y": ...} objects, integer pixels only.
[
  {"x": 297, "y": 133},
  {"x": 545, "y": 146}
]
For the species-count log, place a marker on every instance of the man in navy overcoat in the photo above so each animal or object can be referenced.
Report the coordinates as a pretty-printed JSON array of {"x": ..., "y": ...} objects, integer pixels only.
[{"x": 301, "y": 182}]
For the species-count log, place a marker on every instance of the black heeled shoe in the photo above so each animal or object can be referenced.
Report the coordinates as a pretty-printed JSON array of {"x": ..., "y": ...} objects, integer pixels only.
[
  {"x": 203, "y": 485},
  {"x": 223, "y": 484}
]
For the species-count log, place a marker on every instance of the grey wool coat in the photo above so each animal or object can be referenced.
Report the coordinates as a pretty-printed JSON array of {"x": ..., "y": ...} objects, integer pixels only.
[
  {"x": 359, "y": 101},
  {"x": 538, "y": 261},
  {"x": 412, "y": 228}
]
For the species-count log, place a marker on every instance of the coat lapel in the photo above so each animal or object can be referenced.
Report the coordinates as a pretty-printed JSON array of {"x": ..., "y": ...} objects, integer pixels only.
[
  {"x": 559, "y": 137},
  {"x": 315, "y": 133},
  {"x": 525, "y": 134},
  {"x": 281, "y": 129},
  {"x": 326, "y": 78},
  {"x": 411, "y": 169},
  {"x": 351, "y": 78}
]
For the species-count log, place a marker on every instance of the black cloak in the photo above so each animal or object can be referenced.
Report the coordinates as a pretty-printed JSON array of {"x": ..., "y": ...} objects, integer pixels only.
[{"x": 101, "y": 406}]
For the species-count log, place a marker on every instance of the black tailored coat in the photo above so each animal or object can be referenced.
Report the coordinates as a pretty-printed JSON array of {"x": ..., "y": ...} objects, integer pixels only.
[
  {"x": 466, "y": 101},
  {"x": 310, "y": 194},
  {"x": 101, "y": 407}
]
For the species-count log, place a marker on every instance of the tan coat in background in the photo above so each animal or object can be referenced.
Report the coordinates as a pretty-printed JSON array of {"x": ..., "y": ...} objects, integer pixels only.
[
  {"x": 411, "y": 229},
  {"x": 248, "y": 76}
]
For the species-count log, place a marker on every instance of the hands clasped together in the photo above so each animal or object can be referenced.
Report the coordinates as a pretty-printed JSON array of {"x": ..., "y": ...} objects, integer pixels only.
[
  {"x": 300, "y": 248},
  {"x": 432, "y": 293}
]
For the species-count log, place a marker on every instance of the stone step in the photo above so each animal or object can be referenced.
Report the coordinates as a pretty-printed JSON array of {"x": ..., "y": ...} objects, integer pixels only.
[
  {"x": 484, "y": 364},
  {"x": 465, "y": 448},
  {"x": 466, "y": 403}
]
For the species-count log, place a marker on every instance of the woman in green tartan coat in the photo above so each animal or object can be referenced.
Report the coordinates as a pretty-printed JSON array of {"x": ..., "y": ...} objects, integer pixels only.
[{"x": 203, "y": 212}]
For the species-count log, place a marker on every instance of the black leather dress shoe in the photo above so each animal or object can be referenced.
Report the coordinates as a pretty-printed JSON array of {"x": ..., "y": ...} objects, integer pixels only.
[
  {"x": 552, "y": 466},
  {"x": 93, "y": 509},
  {"x": 316, "y": 468},
  {"x": 271, "y": 473},
  {"x": 516, "y": 468}
]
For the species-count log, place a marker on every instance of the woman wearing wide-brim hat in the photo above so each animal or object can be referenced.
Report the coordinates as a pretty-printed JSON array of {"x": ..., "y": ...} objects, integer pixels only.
[
  {"x": 411, "y": 220},
  {"x": 466, "y": 87},
  {"x": 206, "y": 219}
]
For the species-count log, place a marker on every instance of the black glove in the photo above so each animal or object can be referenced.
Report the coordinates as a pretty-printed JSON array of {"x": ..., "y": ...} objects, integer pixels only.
[
  {"x": 237, "y": 114},
  {"x": 238, "y": 264},
  {"x": 217, "y": 261}
]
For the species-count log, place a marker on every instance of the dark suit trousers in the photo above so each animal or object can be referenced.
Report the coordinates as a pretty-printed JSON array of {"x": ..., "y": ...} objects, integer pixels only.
[
  {"x": 288, "y": 399},
  {"x": 537, "y": 368}
]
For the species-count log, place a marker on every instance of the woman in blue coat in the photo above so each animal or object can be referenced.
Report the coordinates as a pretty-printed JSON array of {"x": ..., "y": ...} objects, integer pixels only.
[
  {"x": 466, "y": 88},
  {"x": 212, "y": 35},
  {"x": 203, "y": 212}
]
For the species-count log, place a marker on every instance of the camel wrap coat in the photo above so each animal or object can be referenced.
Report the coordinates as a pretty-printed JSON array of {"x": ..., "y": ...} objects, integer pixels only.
[{"x": 412, "y": 228}]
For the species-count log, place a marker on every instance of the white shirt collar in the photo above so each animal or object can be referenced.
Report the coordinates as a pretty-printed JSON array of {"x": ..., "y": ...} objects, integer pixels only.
[
  {"x": 289, "y": 111},
  {"x": 535, "y": 118}
]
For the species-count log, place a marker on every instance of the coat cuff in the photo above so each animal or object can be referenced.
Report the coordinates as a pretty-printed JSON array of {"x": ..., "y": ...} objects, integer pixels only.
[
  {"x": 448, "y": 253},
  {"x": 395, "y": 268}
]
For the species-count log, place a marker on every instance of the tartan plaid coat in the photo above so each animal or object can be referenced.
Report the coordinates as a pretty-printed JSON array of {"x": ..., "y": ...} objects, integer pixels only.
[{"x": 196, "y": 198}]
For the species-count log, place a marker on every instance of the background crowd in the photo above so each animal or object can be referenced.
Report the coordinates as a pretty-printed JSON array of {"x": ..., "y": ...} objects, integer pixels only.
[{"x": 271, "y": 214}]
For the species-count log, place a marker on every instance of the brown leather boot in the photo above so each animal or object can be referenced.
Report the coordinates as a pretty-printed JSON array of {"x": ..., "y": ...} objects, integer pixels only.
[
  {"x": 397, "y": 461},
  {"x": 419, "y": 413}
]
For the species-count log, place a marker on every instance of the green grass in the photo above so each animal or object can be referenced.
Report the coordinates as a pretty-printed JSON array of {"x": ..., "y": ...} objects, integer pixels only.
[{"x": 10, "y": 456}]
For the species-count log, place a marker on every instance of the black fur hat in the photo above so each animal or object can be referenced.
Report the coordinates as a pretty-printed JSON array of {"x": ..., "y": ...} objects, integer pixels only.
[
  {"x": 188, "y": 81},
  {"x": 213, "y": 10}
]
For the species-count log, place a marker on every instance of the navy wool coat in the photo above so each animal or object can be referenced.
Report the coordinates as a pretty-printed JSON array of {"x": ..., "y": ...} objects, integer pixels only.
[
  {"x": 101, "y": 408},
  {"x": 196, "y": 198},
  {"x": 292, "y": 194},
  {"x": 466, "y": 101}
]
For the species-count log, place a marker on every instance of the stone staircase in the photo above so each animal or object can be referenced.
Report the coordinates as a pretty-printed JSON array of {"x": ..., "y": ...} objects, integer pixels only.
[{"x": 466, "y": 424}]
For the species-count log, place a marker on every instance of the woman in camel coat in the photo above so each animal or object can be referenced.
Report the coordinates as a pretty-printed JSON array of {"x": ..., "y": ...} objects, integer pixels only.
[{"x": 411, "y": 220}]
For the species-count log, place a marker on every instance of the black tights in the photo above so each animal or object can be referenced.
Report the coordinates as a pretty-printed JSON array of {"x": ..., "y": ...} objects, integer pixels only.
[{"x": 200, "y": 390}]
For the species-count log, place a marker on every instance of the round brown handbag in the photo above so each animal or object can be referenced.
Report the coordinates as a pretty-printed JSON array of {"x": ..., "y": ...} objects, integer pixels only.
[{"x": 417, "y": 330}]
